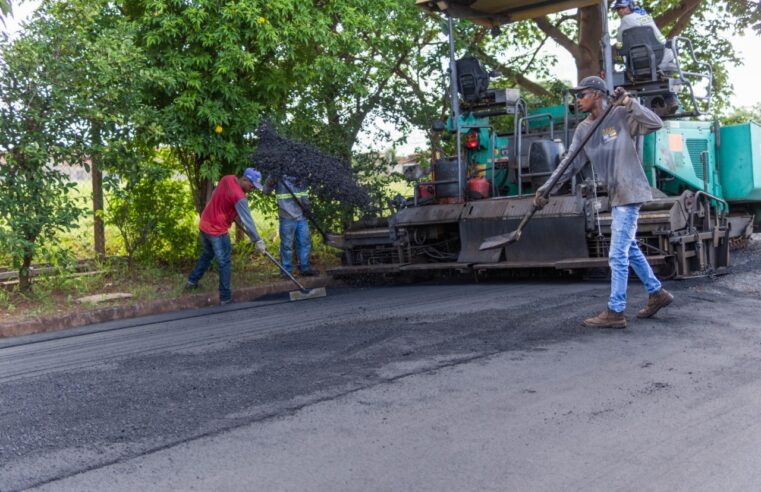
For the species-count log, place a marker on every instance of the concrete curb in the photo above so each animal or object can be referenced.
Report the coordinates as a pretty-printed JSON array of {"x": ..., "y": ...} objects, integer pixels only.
[{"x": 45, "y": 324}]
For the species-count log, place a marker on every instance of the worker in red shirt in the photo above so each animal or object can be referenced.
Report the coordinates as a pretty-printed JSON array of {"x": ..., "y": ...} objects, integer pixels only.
[{"x": 228, "y": 203}]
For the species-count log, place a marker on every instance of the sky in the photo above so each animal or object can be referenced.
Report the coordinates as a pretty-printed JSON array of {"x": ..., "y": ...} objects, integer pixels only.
[{"x": 745, "y": 78}]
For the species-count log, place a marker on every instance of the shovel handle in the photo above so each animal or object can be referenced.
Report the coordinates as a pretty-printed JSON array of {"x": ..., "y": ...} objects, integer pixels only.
[
  {"x": 501, "y": 240},
  {"x": 282, "y": 269},
  {"x": 556, "y": 175}
]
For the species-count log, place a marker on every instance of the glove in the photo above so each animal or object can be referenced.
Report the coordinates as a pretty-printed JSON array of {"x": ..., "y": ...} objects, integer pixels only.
[
  {"x": 540, "y": 200},
  {"x": 620, "y": 96},
  {"x": 261, "y": 247}
]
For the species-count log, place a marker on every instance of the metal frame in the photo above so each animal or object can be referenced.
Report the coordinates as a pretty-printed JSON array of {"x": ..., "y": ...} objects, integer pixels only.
[{"x": 519, "y": 146}]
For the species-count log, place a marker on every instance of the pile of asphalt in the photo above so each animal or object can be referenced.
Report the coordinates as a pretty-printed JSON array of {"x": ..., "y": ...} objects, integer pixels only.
[{"x": 328, "y": 177}]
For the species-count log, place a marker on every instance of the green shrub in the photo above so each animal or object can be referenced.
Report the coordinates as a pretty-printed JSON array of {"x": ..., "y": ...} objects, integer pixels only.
[{"x": 155, "y": 219}]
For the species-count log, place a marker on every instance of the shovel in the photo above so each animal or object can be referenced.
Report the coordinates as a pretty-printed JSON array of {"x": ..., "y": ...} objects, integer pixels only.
[
  {"x": 303, "y": 293},
  {"x": 511, "y": 237}
]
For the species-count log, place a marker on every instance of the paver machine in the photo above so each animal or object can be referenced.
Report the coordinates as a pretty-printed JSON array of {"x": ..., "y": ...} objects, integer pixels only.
[{"x": 706, "y": 178}]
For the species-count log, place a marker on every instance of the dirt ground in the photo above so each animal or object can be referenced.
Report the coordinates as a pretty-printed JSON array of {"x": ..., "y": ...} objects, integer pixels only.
[{"x": 62, "y": 298}]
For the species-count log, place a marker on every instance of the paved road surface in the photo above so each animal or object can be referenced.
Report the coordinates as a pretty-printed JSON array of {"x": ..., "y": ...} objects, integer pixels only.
[{"x": 428, "y": 387}]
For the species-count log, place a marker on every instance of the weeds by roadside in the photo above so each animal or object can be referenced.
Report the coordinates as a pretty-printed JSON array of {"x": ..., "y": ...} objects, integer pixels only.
[{"x": 58, "y": 294}]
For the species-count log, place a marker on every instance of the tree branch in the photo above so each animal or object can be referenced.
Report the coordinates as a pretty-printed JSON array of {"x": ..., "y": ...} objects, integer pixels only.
[
  {"x": 685, "y": 8},
  {"x": 557, "y": 35},
  {"x": 683, "y": 22},
  {"x": 519, "y": 78},
  {"x": 544, "y": 40}
]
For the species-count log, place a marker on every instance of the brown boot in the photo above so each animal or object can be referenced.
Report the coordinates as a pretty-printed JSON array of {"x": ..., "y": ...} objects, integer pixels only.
[
  {"x": 607, "y": 319},
  {"x": 655, "y": 302}
]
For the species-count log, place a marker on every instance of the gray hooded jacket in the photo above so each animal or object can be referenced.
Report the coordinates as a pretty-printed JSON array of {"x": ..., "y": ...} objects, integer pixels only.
[{"x": 613, "y": 153}]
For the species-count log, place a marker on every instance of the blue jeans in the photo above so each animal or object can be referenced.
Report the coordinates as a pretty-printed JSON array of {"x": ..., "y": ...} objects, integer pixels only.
[
  {"x": 219, "y": 248},
  {"x": 300, "y": 229},
  {"x": 624, "y": 252}
]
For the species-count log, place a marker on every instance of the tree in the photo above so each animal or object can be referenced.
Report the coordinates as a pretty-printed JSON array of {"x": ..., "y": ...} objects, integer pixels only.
[
  {"x": 366, "y": 54},
  {"x": 105, "y": 89},
  {"x": 213, "y": 69},
  {"x": 36, "y": 132},
  {"x": 319, "y": 68}
]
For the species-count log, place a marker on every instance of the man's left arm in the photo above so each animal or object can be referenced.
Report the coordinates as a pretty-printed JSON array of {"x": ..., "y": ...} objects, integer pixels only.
[{"x": 244, "y": 214}]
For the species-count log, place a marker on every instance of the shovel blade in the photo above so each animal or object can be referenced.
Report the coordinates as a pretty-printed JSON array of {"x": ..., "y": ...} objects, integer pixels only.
[{"x": 499, "y": 241}]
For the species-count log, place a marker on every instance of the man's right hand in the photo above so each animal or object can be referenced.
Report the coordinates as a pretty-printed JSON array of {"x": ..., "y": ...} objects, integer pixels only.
[
  {"x": 540, "y": 200},
  {"x": 261, "y": 247}
]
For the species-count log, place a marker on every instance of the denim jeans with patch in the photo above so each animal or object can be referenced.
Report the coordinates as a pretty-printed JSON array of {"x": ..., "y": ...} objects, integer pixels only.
[
  {"x": 219, "y": 248},
  {"x": 298, "y": 229},
  {"x": 625, "y": 252}
]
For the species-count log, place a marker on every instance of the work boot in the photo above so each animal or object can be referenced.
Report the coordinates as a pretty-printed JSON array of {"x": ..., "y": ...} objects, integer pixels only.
[
  {"x": 190, "y": 285},
  {"x": 607, "y": 319},
  {"x": 655, "y": 302},
  {"x": 225, "y": 302},
  {"x": 309, "y": 273}
]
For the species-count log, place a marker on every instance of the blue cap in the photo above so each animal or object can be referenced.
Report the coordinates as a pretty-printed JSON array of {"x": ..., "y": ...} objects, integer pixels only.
[
  {"x": 254, "y": 176},
  {"x": 623, "y": 3}
]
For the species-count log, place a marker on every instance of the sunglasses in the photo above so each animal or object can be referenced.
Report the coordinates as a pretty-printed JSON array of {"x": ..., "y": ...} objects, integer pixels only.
[{"x": 586, "y": 94}]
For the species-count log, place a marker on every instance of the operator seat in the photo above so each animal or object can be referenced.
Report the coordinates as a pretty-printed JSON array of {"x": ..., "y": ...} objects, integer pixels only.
[
  {"x": 642, "y": 52},
  {"x": 472, "y": 79}
]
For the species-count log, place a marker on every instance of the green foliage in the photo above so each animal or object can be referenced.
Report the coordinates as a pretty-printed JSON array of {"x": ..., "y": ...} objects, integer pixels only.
[
  {"x": 154, "y": 215},
  {"x": 365, "y": 57},
  {"x": 373, "y": 171},
  {"x": 211, "y": 69},
  {"x": 36, "y": 130},
  {"x": 743, "y": 115},
  {"x": 6, "y": 9},
  {"x": 114, "y": 82},
  {"x": 106, "y": 81},
  {"x": 35, "y": 206}
]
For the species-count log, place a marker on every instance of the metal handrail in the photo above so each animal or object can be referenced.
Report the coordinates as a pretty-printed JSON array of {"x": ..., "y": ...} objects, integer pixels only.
[
  {"x": 519, "y": 142},
  {"x": 675, "y": 44}
]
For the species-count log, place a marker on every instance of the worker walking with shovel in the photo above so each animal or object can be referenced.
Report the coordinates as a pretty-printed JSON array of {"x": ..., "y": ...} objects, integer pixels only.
[{"x": 612, "y": 151}]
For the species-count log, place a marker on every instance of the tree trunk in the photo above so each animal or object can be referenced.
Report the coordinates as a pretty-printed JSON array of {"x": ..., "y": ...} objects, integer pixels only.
[
  {"x": 24, "y": 274},
  {"x": 589, "y": 61},
  {"x": 99, "y": 229},
  {"x": 200, "y": 186}
]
